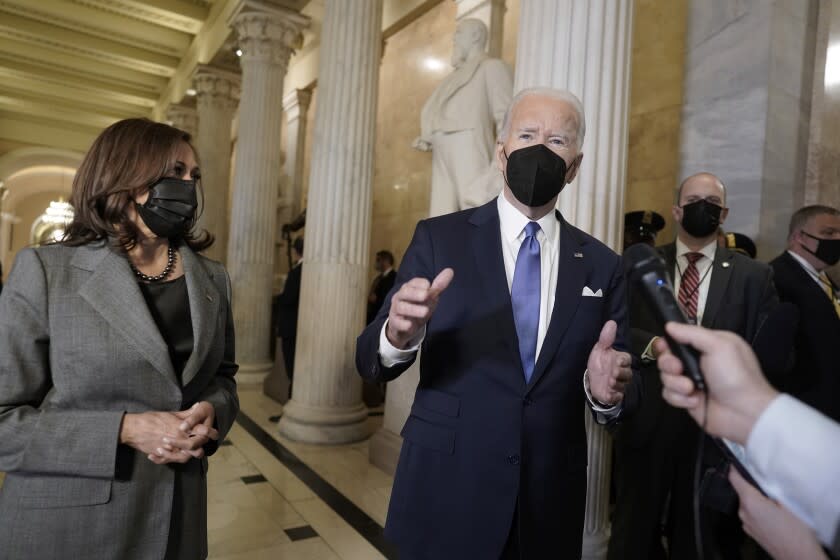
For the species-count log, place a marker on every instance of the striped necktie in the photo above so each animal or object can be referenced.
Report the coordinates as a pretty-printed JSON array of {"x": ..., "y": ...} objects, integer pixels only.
[
  {"x": 828, "y": 288},
  {"x": 690, "y": 286}
]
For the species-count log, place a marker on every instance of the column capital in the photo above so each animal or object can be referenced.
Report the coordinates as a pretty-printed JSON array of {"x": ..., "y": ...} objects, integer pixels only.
[
  {"x": 216, "y": 86},
  {"x": 182, "y": 117},
  {"x": 296, "y": 103},
  {"x": 267, "y": 32}
]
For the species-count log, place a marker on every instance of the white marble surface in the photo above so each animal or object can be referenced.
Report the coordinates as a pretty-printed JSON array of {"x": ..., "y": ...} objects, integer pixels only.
[{"x": 746, "y": 109}]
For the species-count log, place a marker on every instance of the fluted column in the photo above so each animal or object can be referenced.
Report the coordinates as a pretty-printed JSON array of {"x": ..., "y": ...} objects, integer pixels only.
[
  {"x": 295, "y": 105},
  {"x": 584, "y": 46},
  {"x": 183, "y": 118},
  {"x": 217, "y": 99},
  {"x": 326, "y": 405},
  {"x": 267, "y": 35}
]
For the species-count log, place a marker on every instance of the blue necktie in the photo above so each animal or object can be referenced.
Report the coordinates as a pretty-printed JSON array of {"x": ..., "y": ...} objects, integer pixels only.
[{"x": 525, "y": 297}]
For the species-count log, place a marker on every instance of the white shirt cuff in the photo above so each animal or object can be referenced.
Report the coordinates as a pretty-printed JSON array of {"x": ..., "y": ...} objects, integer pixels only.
[
  {"x": 602, "y": 413},
  {"x": 647, "y": 355},
  {"x": 390, "y": 355},
  {"x": 793, "y": 449}
]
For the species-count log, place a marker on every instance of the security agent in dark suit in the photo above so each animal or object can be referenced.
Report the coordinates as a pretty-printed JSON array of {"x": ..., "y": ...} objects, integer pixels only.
[
  {"x": 655, "y": 449},
  {"x": 493, "y": 462},
  {"x": 641, "y": 226},
  {"x": 286, "y": 310},
  {"x": 813, "y": 246},
  {"x": 382, "y": 284}
]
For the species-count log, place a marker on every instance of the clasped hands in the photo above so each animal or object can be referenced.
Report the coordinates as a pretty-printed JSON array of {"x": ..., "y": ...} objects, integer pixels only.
[{"x": 170, "y": 437}]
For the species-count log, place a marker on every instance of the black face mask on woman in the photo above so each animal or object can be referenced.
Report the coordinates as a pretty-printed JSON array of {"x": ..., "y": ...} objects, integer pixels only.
[
  {"x": 170, "y": 208},
  {"x": 535, "y": 175},
  {"x": 701, "y": 218},
  {"x": 828, "y": 250}
]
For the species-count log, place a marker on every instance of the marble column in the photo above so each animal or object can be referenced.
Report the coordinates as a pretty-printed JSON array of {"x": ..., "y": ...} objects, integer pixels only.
[
  {"x": 492, "y": 13},
  {"x": 267, "y": 35},
  {"x": 749, "y": 76},
  {"x": 584, "y": 46},
  {"x": 183, "y": 117},
  {"x": 326, "y": 405},
  {"x": 296, "y": 106},
  {"x": 217, "y": 99}
]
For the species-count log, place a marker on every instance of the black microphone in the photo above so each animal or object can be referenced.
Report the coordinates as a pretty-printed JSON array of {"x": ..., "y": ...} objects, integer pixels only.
[{"x": 645, "y": 269}]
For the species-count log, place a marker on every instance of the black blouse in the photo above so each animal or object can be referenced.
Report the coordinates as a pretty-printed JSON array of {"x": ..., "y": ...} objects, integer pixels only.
[{"x": 169, "y": 305}]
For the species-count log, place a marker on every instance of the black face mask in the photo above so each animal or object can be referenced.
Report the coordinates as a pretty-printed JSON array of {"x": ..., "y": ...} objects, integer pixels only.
[
  {"x": 701, "y": 218},
  {"x": 535, "y": 175},
  {"x": 828, "y": 250},
  {"x": 170, "y": 208}
]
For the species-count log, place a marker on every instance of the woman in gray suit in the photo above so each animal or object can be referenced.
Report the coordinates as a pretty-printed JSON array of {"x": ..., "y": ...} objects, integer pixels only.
[{"x": 116, "y": 364}]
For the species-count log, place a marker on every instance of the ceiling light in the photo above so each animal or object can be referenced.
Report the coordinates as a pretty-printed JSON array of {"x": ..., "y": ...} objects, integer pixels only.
[
  {"x": 238, "y": 52},
  {"x": 832, "y": 66},
  {"x": 433, "y": 64},
  {"x": 191, "y": 92}
]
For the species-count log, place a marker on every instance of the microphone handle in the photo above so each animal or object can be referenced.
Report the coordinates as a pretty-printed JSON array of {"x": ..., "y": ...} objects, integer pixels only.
[{"x": 660, "y": 298}]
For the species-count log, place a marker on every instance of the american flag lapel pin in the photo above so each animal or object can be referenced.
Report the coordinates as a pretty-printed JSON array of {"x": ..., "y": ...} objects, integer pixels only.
[{"x": 578, "y": 255}]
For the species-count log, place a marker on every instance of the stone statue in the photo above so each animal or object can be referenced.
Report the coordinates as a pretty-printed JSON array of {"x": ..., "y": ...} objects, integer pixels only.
[{"x": 459, "y": 121}]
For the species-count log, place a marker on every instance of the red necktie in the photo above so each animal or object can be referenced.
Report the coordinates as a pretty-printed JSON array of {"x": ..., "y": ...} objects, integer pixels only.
[{"x": 690, "y": 286}]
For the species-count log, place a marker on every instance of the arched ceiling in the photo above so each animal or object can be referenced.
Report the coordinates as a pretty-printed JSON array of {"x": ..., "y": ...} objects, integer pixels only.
[{"x": 69, "y": 68}]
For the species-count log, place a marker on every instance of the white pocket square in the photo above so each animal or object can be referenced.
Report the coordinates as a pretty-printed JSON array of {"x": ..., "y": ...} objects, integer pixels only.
[{"x": 587, "y": 292}]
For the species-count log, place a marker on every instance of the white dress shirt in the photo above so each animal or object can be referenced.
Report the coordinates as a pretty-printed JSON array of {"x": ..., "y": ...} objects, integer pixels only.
[
  {"x": 812, "y": 272},
  {"x": 512, "y": 224},
  {"x": 704, "y": 269},
  {"x": 793, "y": 452}
]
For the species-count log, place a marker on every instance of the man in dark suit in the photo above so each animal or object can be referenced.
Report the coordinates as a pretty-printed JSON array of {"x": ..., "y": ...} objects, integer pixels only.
[
  {"x": 382, "y": 284},
  {"x": 286, "y": 310},
  {"x": 813, "y": 246},
  {"x": 655, "y": 449},
  {"x": 522, "y": 320}
]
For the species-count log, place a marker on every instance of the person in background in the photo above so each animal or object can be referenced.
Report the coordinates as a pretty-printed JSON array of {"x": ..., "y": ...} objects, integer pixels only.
[
  {"x": 656, "y": 448},
  {"x": 286, "y": 305},
  {"x": 740, "y": 243},
  {"x": 800, "y": 273},
  {"x": 642, "y": 226},
  {"x": 116, "y": 363},
  {"x": 791, "y": 449},
  {"x": 381, "y": 285}
]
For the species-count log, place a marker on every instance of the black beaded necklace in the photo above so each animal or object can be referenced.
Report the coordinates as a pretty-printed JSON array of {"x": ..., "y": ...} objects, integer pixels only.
[{"x": 170, "y": 262}]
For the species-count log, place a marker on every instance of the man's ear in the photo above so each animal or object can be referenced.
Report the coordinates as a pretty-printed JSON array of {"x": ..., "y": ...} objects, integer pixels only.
[
  {"x": 571, "y": 172},
  {"x": 501, "y": 160}
]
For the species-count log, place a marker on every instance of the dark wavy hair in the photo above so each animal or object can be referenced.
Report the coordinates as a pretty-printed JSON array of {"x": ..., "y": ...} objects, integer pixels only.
[{"x": 125, "y": 160}]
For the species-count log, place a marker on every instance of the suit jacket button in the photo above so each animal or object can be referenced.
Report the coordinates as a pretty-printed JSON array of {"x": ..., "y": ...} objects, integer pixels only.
[{"x": 513, "y": 459}]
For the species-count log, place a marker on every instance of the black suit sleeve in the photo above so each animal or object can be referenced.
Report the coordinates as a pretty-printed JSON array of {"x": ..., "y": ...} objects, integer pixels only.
[{"x": 418, "y": 262}]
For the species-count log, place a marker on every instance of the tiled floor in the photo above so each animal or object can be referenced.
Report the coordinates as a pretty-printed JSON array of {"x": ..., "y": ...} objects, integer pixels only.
[{"x": 258, "y": 508}]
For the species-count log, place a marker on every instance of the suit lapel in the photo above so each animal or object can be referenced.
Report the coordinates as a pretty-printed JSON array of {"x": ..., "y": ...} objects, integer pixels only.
[
  {"x": 721, "y": 273},
  {"x": 669, "y": 253},
  {"x": 113, "y": 292},
  {"x": 204, "y": 310},
  {"x": 571, "y": 278},
  {"x": 487, "y": 251}
]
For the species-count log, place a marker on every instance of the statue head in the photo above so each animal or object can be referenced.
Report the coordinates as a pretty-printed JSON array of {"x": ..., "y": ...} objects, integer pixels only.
[{"x": 470, "y": 38}]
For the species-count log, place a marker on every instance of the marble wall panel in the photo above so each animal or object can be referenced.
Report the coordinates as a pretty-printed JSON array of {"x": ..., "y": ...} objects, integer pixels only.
[
  {"x": 656, "y": 95},
  {"x": 511, "y": 26},
  {"x": 414, "y": 62}
]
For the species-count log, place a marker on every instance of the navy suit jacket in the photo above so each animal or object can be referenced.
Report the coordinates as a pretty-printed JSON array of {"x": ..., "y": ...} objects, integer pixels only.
[{"x": 479, "y": 442}]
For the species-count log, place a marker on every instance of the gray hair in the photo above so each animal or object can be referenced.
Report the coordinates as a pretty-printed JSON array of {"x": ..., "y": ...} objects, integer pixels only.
[{"x": 554, "y": 93}]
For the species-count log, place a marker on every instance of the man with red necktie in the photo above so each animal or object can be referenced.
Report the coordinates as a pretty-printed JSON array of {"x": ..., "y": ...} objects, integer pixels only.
[{"x": 656, "y": 449}]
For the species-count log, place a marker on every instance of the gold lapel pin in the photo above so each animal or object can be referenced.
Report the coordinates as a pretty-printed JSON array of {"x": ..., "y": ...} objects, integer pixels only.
[{"x": 578, "y": 255}]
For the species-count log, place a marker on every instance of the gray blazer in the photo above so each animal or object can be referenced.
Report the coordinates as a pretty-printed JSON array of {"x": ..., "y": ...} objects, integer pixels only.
[{"x": 78, "y": 349}]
